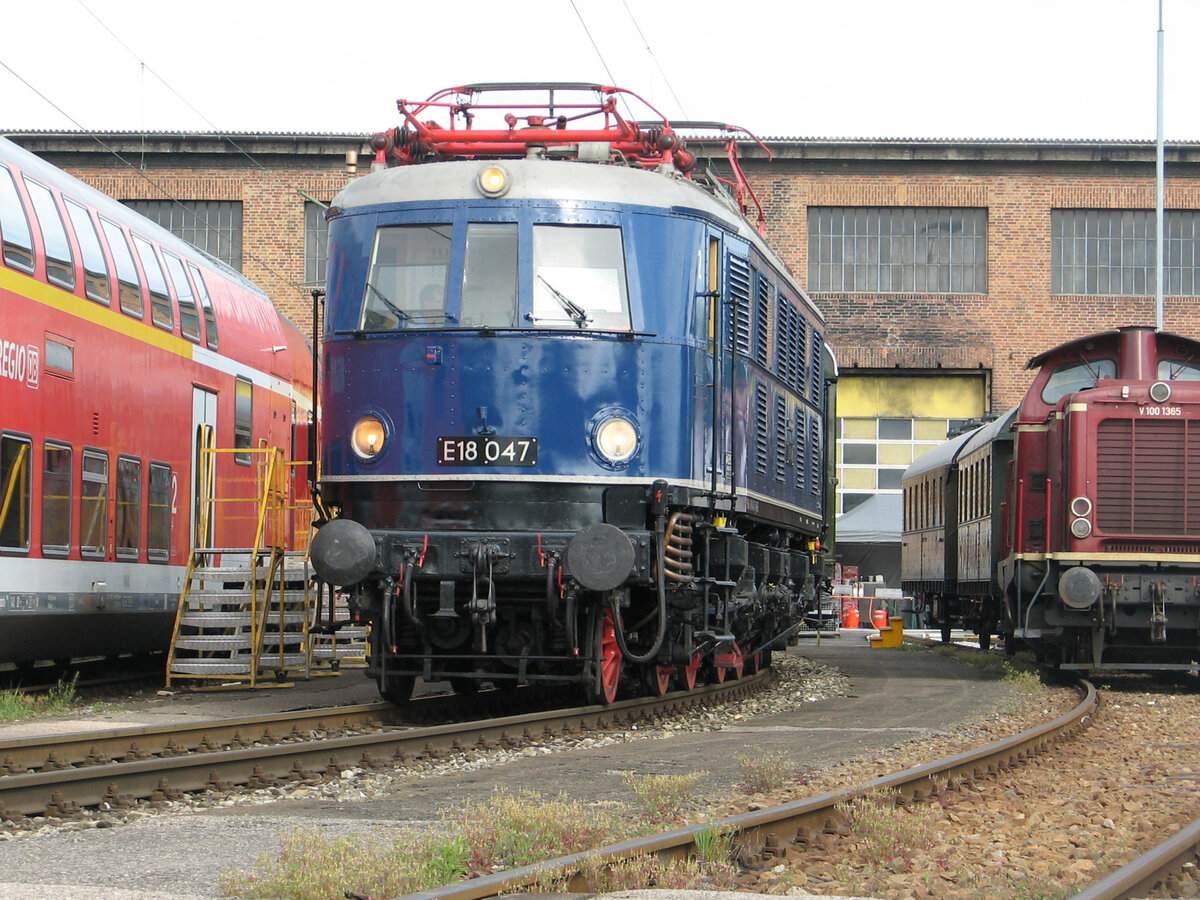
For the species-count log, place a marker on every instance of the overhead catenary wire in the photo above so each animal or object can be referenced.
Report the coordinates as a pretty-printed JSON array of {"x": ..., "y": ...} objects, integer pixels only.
[{"x": 141, "y": 174}]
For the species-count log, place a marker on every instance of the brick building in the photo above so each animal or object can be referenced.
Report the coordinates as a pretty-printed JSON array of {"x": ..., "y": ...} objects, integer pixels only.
[{"x": 942, "y": 266}]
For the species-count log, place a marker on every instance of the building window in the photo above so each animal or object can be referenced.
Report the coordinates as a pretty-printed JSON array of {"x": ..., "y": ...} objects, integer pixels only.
[
  {"x": 1112, "y": 251},
  {"x": 901, "y": 250},
  {"x": 214, "y": 226},
  {"x": 316, "y": 240},
  {"x": 872, "y": 454}
]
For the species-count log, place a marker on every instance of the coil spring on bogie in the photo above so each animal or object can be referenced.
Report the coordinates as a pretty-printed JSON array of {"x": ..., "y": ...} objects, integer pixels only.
[{"x": 677, "y": 548}]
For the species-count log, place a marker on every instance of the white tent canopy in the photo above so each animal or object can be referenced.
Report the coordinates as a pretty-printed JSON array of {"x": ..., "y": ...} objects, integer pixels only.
[{"x": 878, "y": 520}]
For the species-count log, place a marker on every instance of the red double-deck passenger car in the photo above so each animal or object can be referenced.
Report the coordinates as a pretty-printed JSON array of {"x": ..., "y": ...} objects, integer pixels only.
[{"x": 121, "y": 348}]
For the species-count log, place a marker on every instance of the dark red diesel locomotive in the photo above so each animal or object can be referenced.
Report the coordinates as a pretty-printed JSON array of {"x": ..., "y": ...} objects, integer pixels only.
[{"x": 1088, "y": 504}]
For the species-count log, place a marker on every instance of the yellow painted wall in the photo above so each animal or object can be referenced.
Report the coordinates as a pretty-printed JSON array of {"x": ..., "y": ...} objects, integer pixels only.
[{"x": 910, "y": 397}]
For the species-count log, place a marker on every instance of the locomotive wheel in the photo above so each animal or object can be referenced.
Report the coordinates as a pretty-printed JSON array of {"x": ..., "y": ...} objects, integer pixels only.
[
  {"x": 731, "y": 663},
  {"x": 602, "y": 676},
  {"x": 396, "y": 688},
  {"x": 468, "y": 687},
  {"x": 687, "y": 674},
  {"x": 658, "y": 679}
]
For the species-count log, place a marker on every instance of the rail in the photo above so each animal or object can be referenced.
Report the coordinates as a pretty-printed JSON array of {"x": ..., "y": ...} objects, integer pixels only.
[{"x": 751, "y": 830}]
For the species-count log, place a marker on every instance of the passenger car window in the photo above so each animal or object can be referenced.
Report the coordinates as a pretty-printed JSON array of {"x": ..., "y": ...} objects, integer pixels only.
[
  {"x": 127, "y": 277},
  {"x": 206, "y": 304},
  {"x": 1069, "y": 377},
  {"x": 60, "y": 264},
  {"x": 161, "y": 312},
  {"x": 189, "y": 320},
  {"x": 579, "y": 278},
  {"x": 406, "y": 285},
  {"x": 95, "y": 269},
  {"x": 14, "y": 225}
]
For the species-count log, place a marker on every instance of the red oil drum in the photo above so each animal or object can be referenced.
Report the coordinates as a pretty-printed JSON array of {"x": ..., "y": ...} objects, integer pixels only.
[{"x": 879, "y": 618}]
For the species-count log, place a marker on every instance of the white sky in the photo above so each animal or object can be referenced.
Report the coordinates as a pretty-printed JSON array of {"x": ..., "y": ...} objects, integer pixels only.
[{"x": 1010, "y": 69}]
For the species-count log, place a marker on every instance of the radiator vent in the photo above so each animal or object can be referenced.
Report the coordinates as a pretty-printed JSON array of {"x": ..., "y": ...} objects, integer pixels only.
[{"x": 1145, "y": 483}]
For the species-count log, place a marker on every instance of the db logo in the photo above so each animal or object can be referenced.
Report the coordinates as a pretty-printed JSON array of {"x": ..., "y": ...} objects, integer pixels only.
[{"x": 20, "y": 362}]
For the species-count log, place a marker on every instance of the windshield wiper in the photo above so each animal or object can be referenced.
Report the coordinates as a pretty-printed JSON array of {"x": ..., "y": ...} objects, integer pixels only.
[
  {"x": 577, "y": 313},
  {"x": 400, "y": 314}
]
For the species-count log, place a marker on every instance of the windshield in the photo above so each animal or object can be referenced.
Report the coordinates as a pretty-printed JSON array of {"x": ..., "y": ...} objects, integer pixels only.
[
  {"x": 579, "y": 278},
  {"x": 406, "y": 286},
  {"x": 1070, "y": 377},
  {"x": 1178, "y": 370}
]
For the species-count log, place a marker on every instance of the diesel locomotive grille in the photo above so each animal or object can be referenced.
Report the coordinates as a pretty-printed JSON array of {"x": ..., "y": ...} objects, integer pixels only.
[{"x": 1145, "y": 484}]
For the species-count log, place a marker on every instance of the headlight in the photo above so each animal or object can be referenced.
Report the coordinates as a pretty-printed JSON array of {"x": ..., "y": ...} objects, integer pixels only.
[
  {"x": 367, "y": 436},
  {"x": 1081, "y": 528},
  {"x": 616, "y": 439},
  {"x": 1081, "y": 506},
  {"x": 1160, "y": 392},
  {"x": 492, "y": 181}
]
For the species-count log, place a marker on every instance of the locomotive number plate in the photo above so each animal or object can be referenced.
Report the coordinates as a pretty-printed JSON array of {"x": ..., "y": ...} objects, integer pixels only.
[{"x": 487, "y": 450}]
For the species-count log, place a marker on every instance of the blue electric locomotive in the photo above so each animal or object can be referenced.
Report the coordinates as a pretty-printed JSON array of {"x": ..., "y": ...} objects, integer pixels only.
[{"x": 572, "y": 408}]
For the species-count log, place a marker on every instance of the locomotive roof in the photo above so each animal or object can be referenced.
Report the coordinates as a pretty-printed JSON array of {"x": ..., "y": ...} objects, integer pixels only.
[
  {"x": 551, "y": 180},
  {"x": 1079, "y": 345}
]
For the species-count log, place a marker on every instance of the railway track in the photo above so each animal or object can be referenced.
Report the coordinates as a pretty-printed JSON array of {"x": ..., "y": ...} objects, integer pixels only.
[
  {"x": 762, "y": 835},
  {"x": 766, "y": 837},
  {"x": 61, "y": 776}
]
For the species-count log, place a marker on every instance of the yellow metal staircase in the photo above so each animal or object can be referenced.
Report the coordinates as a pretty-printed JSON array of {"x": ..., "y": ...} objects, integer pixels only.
[{"x": 244, "y": 612}]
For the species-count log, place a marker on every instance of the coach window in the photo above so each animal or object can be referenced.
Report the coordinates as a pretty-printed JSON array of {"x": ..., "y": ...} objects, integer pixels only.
[
  {"x": 60, "y": 264},
  {"x": 56, "y": 499},
  {"x": 406, "y": 286},
  {"x": 189, "y": 320},
  {"x": 160, "y": 301},
  {"x": 243, "y": 421},
  {"x": 210, "y": 318},
  {"x": 15, "y": 502},
  {"x": 93, "y": 503},
  {"x": 579, "y": 278},
  {"x": 489, "y": 291},
  {"x": 127, "y": 278},
  {"x": 14, "y": 226},
  {"x": 129, "y": 507},
  {"x": 95, "y": 269},
  {"x": 158, "y": 517},
  {"x": 1079, "y": 375}
]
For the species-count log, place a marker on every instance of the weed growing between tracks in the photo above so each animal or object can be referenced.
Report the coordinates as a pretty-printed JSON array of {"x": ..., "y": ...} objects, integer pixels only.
[
  {"x": 17, "y": 704},
  {"x": 508, "y": 831}
]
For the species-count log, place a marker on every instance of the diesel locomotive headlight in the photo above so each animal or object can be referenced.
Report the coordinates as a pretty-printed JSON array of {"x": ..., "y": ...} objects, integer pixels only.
[
  {"x": 1081, "y": 506},
  {"x": 367, "y": 436},
  {"x": 492, "y": 181},
  {"x": 1160, "y": 392},
  {"x": 616, "y": 439},
  {"x": 1081, "y": 528}
]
